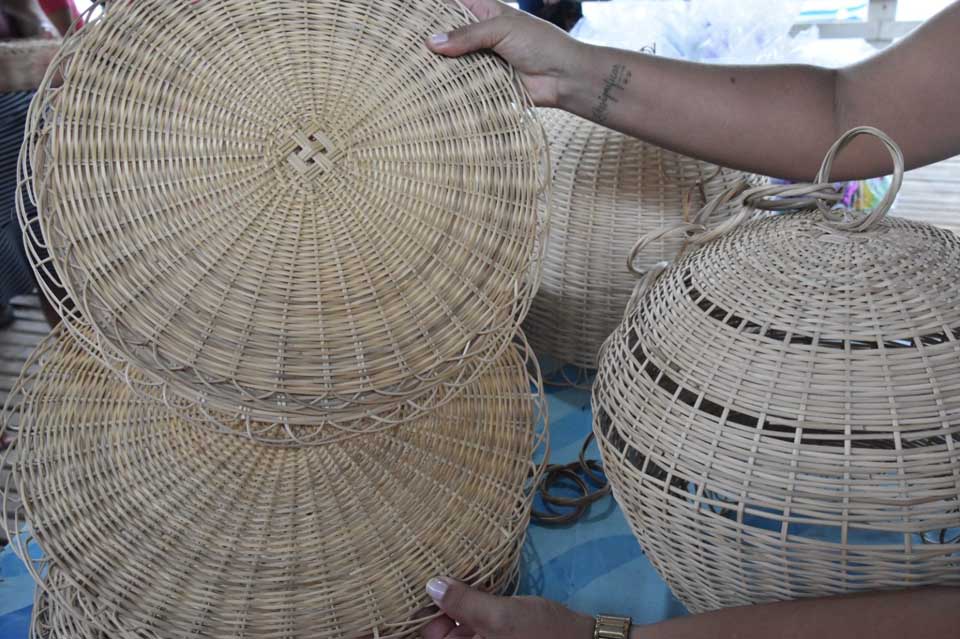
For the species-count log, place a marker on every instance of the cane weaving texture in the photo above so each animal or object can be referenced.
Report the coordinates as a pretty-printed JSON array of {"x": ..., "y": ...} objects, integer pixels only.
[
  {"x": 178, "y": 531},
  {"x": 779, "y": 415},
  {"x": 289, "y": 209},
  {"x": 608, "y": 190},
  {"x": 59, "y": 616}
]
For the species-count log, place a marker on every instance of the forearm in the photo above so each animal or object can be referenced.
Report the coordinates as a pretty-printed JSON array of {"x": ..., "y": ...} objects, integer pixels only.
[
  {"x": 774, "y": 120},
  {"x": 932, "y": 613}
]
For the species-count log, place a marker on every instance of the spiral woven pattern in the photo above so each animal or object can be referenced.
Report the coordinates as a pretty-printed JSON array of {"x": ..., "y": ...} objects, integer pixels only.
[
  {"x": 289, "y": 209},
  {"x": 174, "y": 530},
  {"x": 779, "y": 415},
  {"x": 608, "y": 190}
]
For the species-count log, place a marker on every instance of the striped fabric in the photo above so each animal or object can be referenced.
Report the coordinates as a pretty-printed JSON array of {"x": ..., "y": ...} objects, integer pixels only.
[{"x": 15, "y": 275}]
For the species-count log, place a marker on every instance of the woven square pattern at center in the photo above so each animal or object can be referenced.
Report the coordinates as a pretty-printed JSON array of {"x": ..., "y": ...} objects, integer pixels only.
[{"x": 287, "y": 209}]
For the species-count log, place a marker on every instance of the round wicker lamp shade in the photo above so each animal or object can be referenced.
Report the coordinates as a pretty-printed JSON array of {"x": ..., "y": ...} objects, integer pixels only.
[
  {"x": 779, "y": 414},
  {"x": 174, "y": 530},
  {"x": 289, "y": 210},
  {"x": 608, "y": 190}
]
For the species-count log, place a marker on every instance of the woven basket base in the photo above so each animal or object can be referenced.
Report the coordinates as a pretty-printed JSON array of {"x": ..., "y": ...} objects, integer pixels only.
[
  {"x": 181, "y": 531},
  {"x": 293, "y": 208}
]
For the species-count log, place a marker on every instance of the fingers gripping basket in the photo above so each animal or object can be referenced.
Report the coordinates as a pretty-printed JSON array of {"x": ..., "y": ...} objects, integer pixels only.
[
  {"x": 287, "y": 211},
  {"x": 779, "y": 414},
  {"x": 608, "y": 189},
  {"x": 170, "y": 529}
]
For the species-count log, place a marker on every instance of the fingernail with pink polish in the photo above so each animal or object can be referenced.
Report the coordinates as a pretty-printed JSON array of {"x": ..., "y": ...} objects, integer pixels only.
[
  {"x": 436, "y": 588},
  {"x": 439, "y": 38}
]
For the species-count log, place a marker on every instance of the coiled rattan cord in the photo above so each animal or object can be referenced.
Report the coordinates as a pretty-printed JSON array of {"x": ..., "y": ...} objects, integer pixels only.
[{"x": 582, "y": 473}]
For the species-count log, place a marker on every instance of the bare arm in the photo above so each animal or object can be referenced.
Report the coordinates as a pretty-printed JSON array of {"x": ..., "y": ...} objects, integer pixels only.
[
  {"x": 930, "y": 613},
  {"x": 775, "y": 120},
  {"x": 919, "y": 614}
]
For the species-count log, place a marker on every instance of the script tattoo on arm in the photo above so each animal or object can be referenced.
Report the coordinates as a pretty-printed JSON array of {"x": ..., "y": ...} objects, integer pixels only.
[{"x": 617, "y": 80}]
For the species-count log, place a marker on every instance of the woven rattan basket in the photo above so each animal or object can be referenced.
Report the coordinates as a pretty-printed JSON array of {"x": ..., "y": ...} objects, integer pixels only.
[
  {"x": 174, "y": 530},
  {"x": 609, "y": 190},
  {"x": 779, "y": 415},
  {"x": 61, "y": 611},
  {"x": 290, "y": 211}
]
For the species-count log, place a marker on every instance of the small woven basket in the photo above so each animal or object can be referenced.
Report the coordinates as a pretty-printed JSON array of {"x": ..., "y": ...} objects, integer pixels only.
[
  {"x": 608, "y": 190},
  {"x": 169, "y": 529},
  {"x": 288, "y": 211},
  {"x": 779, "y": 414}
]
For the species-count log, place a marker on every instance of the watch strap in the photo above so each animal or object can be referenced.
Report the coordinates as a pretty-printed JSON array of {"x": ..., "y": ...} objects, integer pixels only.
[{"x": 610, "y": 627}]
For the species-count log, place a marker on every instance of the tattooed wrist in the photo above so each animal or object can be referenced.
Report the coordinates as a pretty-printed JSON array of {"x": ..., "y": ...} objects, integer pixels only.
[{"x": 615, "y": 83}]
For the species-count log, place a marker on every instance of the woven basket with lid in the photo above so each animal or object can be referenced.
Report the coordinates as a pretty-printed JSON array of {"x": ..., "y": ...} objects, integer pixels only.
[
  {"x": 291, "y": 211},
  {"x": 608, "y": 190},
  {"x": 173, "y": 530},
  {"x": 779, "y": 414}
]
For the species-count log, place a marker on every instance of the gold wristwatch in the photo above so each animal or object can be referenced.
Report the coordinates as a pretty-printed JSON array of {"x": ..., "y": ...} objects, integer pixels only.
[{"x": 608, "y": 627}]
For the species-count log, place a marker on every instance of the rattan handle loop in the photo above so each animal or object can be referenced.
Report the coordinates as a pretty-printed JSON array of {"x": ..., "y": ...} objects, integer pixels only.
[
  {"x": 823, "y": 196},
  {"x": 699, "y": 188},
  {"x": 711, "y": 207},
  {"x": 791, "y": 197},
  {"x": 840, "y": 219},
  {"x": 640, "y": 290},
  {"x": 685, "y": 228},
  {"x": 647, "y": 278}
]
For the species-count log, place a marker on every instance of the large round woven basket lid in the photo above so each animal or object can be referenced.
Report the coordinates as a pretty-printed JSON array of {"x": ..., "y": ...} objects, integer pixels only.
[
  {"x": 608, "y": 190},
  {"x": 191, "y": 404},
  {"x": 778, "y": 414},
  {"x": 179, "y": 531},
  {"x": 295, "y": 206}
]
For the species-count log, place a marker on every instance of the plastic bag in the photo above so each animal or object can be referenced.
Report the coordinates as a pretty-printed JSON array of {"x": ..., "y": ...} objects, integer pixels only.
[
  {"x": 718, "y": 31},
  {"x": 624, "y": 24}
]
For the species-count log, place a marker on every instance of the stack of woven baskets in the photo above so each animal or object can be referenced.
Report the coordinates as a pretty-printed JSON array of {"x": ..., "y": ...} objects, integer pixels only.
[
  {"x": 608, "y": 190},
  {"x": 779, "y": 413},
  {"x": 289, "y": 386}
]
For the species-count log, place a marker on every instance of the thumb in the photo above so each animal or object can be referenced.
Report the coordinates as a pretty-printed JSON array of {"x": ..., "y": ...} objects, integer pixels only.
[
  {"x": 474, "y": 37},
  {"x": 480, "y": 611}
]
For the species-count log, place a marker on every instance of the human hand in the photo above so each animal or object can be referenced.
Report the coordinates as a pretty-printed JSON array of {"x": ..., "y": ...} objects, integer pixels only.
[
  {"x": 483, "y": 616},
  {"x": 542, "y": 54}
]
